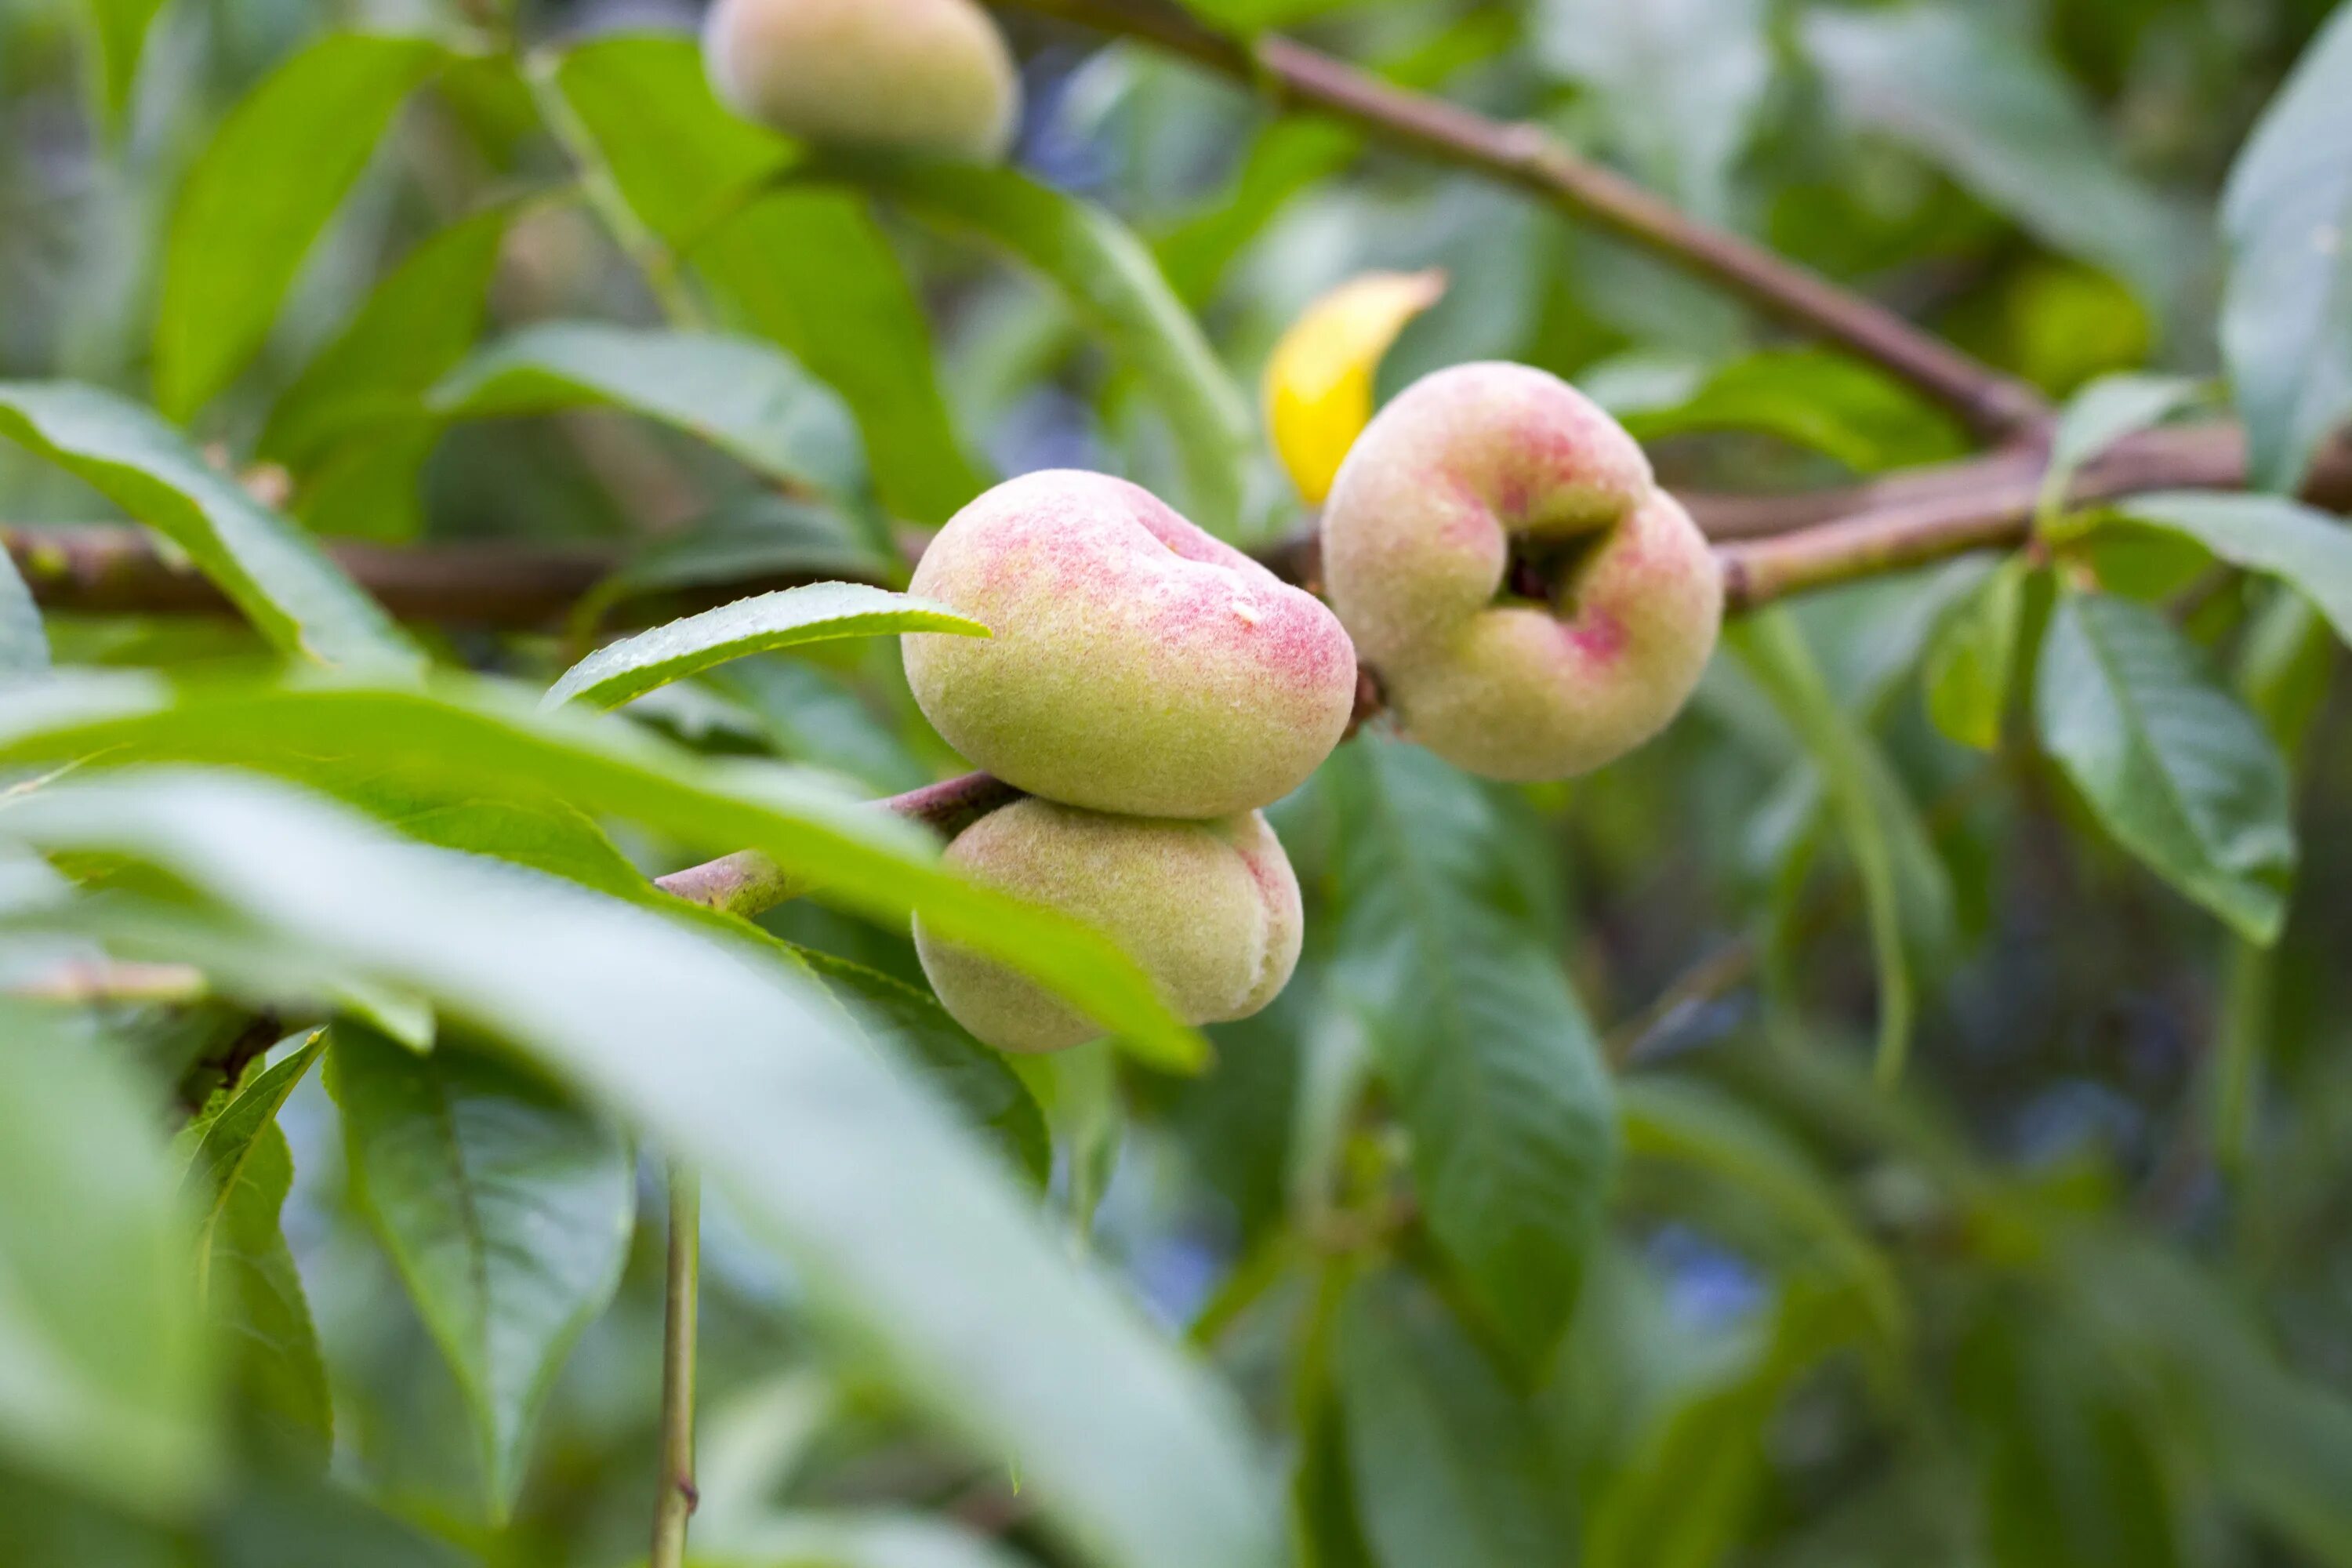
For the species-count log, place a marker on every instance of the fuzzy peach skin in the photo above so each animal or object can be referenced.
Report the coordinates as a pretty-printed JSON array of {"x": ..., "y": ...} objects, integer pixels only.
[
  {"x": 1137, "y": 665},
  {"x": 1460, "y": 469},
  {"x": 926, "y": 75},
  {"x": 1210, "y": 908}
]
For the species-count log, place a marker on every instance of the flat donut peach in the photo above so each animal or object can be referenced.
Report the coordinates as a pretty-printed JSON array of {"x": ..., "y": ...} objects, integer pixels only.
[{"x": 1499, "y": 551}]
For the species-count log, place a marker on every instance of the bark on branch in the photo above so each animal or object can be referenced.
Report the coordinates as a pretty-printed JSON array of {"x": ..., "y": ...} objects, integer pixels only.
[{"x": 1528, "y": 156}]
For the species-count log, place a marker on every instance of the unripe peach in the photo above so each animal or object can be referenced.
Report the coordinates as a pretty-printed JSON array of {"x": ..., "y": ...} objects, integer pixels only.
[
  {"x": 1137, "y": 665},
  {"x": 1210, "y": 909},
  {"x": 1534, "y": 606},
  {"x": 928, "y": 75}
]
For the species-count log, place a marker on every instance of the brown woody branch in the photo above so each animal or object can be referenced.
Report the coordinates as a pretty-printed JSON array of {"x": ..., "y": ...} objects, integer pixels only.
[{"x": 1531, "y": 157}]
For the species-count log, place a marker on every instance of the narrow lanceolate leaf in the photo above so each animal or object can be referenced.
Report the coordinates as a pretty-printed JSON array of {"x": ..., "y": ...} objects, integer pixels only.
[
  {"x": 1948, "y": 81},
  {"x": 299, "y": 601},
  {"x": 469, "y": 740},
  {"x": 103, "y": 1380},
  {"x": 24, "y": 641},
  {"x": 968, "y": 1073},
  {"x": 260, "y": 196},
  {"x": 2102, "y": 414},
  {"x": 817, "y": 613},
  {"x": 1773, "y": 649},
  {"x": 1116, "y": 285},
  {"x": 2173, "y": 765},
  {"x": 806, "y": 268},
  {"x": 2307, "y": 549},
  {"x": 918, "y": 1250},
  {"x": 1493, "y": 1065},
  {"x": 507, "y": 1210},
  {"x": 118, "y": 37},
  {"x": 2286, "y": 313},
  {"x": 1449, "y": 1466},
  {"x": 745, "y": 398}
]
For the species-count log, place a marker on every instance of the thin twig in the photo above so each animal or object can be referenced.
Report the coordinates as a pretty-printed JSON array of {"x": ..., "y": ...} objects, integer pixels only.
[
  {"x": 1531, "y": 157},
  {"x": 675, "y": 1501}
]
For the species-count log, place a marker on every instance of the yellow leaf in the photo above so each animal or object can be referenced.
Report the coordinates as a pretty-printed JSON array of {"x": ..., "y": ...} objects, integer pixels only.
[{"x": 1318, "y": 382}]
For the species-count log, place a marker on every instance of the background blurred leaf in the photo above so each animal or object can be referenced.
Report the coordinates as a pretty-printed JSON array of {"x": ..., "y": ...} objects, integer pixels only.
[
  {"x": 1492, "y": 1063},
  {"x": 508, "y": 1210},
  {"x": 103, "y": 1375},
  {"x": 743, "y": 396},
  {"x": 258, "y": 197},
  {"x": 24, "y": 641},
  {"x": 295, "y": 598},
  {"x": 1449, "y": 1464},
  {"x": 2102, "y": 414},
  {"x": 117, "y": 35},
  {"x": 787, "y": 619},
  {"x": 2307, "y": 549},
  {"x": 2175, "y": 768},
  {"x": 2286, "y": 318},
  {"x": 1971, "y": 669},
  {"x": 807, "y": 269},
  {"x": 1831, "y": 405},
  {"x": 926, "y": 1261},
  {"x": 1114, "y": 285},
  {"x": 1957, "y": 88}
]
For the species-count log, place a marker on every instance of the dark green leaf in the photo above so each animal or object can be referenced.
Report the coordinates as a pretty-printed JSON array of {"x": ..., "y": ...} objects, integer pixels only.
[
  {"x": 805, "y": 269},
  {"x": 743, "y": 396},
  {"x": 259, "y": 196},
  {"x": 2308, "y": 549},
  {"x": 2181, "y": 775},
  {"x": 1953, "y": 84},
  {"x": 1117, "y": 288},
  {"x": 976, "y": 1079},
  {"x": 925, "y": 1259},
  {"x": 1449, "y": 1465},
  {"x": 103, "y": 1378},
  {"x": 1493, "y": 1065},
  {"x": 476, "y": 740},
  {"x": 2286, "y": 316},
  {"x": 298, "y": 599},
  {"x": 290, "y": 1523},
  {"x": 507, "y": 1210},
  {"x": 787, "y": 619},
  {"x": 1971, "y": 665},
  {"x": 255, "y": 1297}
]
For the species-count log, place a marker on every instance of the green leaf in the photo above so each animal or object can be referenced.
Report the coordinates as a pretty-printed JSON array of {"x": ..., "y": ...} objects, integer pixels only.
[
  {"x": 118, "y": 37},
  {"x": 2307, "y": 549},
  {"x": 467, "y": 738},
  {"x": 1116, "y": 287},
  {"x": 1443, "y": 953},
  {"x": 914, "y": 1024},
  {"x": 1676, "y": 84},
  {"x": 103, "y": 1375},
  {"x": 1287, "y": 157},
  {"x": 1842, "y": 409},
  {"x": 2102, "y": 414},
  {"x": 2171, "y": 763},
  {"x": 917, "y": 1249},
  {"x": 1971, "y": 665},
  {"x": 413, "y": 331},
  {"x": 806, "y": 268},
  {"x": 260, "y": 195},
  {"x": 1957, "y": 88},
  {"x": 1772, "y": 648},
  {"x": 790, "y": 617},
  {"x": 24, "y": 641},
  {"x": 298, "y": 600},
  {"x": 806, "y": 1539},
  {"x": 2286, "y": 310},
  {"x": 285, "y": 1522},
  {"x": 813, "y": 715},
  {"x": 745, "y": 539},
  {"x": 507, "y": 1210},
  {"x": 1449, "y": 1465},
  {"x": 743, "y": 396}
]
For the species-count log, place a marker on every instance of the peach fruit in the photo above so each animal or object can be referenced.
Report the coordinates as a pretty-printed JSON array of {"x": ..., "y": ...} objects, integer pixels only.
[
  {"x": 1138, "y": 666},
  {"x": 1534, "y": 605},
  {"x": 1210, "y": 909},
  {"x": 924, "y": 74}
]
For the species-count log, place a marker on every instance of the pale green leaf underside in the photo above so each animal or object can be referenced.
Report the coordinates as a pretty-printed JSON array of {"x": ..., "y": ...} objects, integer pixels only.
[
  {"x": 929, "y": 1261},
  {"x": 298, "y": 599},
  {"x": 2309, "y": 550},
  {"x": 791, "y": 617}
]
